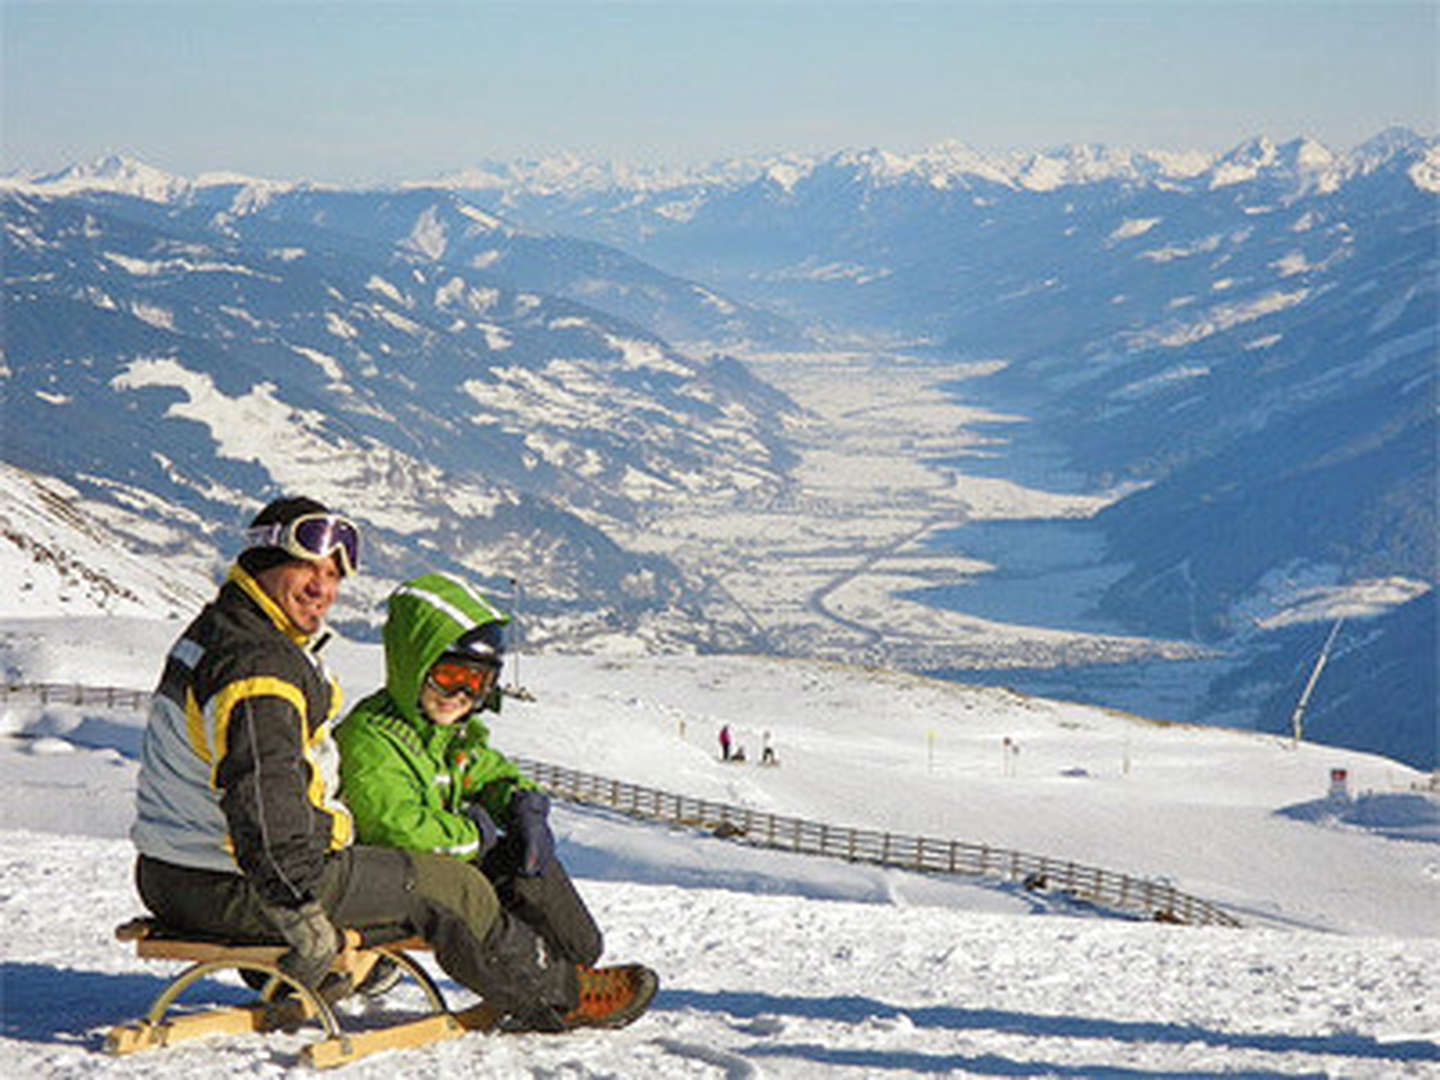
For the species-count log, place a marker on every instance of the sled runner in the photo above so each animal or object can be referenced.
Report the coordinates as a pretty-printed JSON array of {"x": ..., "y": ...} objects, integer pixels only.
[{"x": 284, "y": 1003}]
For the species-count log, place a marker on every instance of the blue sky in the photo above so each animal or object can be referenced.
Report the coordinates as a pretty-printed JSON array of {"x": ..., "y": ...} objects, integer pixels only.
[{"x": 367, "y": 92}]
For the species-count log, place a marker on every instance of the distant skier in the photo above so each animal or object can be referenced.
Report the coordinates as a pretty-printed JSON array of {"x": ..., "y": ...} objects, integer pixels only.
[
  {"x": 725, "y": 743},
  {"x": 767, "y": 752}
]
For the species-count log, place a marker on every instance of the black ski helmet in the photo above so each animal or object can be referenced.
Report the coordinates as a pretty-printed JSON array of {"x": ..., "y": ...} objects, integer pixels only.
[{"x": 483, "y": 644}]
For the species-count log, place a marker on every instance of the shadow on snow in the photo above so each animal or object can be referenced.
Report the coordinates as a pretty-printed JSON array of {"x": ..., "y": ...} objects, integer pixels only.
[
  {"x": 852, "y": 1009},
  {"x": 45, "y": 1004}
]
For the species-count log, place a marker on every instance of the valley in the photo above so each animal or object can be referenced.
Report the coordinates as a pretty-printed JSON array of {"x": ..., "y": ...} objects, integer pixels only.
[{"x": 841, "y": 564}]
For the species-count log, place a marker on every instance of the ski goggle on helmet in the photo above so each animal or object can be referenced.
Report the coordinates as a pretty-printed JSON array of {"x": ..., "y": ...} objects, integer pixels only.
[
  {"x": 312, "y": 537},
  {"x": 448, "y": 677},
  {"x": 471, "y": 665}
]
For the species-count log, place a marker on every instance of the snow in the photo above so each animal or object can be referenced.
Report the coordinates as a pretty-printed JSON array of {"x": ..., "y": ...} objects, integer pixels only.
[
  {"x": 1220, "y": 318},
  {"x": 778, "y": 965},
  {"x": 158, "y": 317},
  {"x": 1306, "y": 593},
  {"x": 389, "y": 291},
  {"x": 337, "y": 326},
  {"x": 1425, "y": 173},
  {"x": 646, "y": 355},
  {"x": 178, "y": 265},
  {"x": 429, "y": 236},
  {"x": 1133, "y": 227},
  {"x": 324, "y": 361}
]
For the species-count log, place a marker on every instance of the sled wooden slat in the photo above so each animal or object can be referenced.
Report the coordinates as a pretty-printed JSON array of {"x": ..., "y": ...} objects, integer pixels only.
[
  {"x": 219, "y": 1020},
  {"x": 158, "y": 1029},
  {"x": 330, "y": 1052}
]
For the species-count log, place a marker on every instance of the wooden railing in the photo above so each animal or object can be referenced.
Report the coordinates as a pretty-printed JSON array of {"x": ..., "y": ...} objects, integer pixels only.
[
  {"x": 1160, "y": 900},
  {"x": 73, "y": 694}
]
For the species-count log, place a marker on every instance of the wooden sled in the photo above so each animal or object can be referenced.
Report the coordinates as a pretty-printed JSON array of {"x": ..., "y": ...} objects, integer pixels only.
[{"x": 274, "y": 1013}]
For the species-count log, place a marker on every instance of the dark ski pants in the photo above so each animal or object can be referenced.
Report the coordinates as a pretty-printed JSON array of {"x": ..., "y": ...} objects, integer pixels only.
[
  {"x": 547, "y": 903},
  {"x": 447, "y": 902}
]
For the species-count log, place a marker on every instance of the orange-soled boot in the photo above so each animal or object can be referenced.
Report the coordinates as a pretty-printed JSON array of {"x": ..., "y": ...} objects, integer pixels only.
[{"x": 611, "y": 997}]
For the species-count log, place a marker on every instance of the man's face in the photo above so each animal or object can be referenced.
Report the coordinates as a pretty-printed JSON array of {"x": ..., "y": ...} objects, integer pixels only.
[{"x": 304, "y": 590}]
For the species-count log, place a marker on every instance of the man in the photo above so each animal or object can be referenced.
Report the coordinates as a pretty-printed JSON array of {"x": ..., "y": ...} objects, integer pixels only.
[{"x": 239, "y": 831}]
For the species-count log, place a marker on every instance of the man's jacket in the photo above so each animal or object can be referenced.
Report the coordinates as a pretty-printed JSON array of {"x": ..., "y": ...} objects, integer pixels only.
[
  {"x": 238, "y": 770},
  {"x": 407, "y": 780}
]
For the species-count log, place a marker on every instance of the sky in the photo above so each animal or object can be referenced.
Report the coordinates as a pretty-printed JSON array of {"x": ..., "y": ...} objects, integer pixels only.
[{"x": 378, "y": 92}]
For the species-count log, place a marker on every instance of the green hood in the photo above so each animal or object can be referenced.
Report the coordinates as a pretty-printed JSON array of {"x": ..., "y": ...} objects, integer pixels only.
[{"x": 425, "y": 617}]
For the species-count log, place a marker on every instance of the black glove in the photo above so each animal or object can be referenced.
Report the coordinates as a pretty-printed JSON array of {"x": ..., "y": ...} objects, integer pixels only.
[
  {"x": 529, "y": 809},
  {"x": 485, "y": 826},
  {"x": 312, "y": 938}
]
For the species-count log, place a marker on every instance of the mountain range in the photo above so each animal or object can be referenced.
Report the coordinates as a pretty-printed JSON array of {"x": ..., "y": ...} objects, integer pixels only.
[
  {"x": 209, "y": 358},
  {"x": 493, "y": 368}
]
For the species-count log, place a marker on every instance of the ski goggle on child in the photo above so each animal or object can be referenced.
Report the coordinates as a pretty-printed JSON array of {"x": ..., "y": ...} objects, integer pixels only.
[
  {"x": 451, "y": 677},
  {"x": 312, "y": 537}
]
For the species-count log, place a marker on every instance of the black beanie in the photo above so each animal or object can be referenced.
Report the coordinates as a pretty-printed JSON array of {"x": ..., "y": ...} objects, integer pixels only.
[{"x": 256, "y": 560}]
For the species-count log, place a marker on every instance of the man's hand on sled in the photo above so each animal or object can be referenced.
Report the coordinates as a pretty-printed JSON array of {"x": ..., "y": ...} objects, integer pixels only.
[{"x": 313, "y": 940}]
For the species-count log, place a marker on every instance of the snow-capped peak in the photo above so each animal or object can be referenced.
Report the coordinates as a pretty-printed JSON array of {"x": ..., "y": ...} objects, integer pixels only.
[
  {"x": 124, "y": 175},
  {"x": 1244, "y": 162},
  {"x": 1305, "y": 153},
  {"x": 1395, "y": 141},
  {"x": 116, "y": 172}
]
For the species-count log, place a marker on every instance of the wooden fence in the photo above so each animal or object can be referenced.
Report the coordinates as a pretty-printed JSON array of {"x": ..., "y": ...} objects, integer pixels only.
[
  {"x": 73, "y": 694},
  {"x": 1157, "y": 899}
]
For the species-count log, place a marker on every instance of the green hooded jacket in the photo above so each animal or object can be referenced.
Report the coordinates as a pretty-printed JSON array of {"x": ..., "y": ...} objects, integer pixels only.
[{"x": 407, "y": 780}]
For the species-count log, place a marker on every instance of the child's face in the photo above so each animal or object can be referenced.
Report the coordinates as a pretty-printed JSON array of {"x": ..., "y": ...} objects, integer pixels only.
[
  {"x": 444, "y": 710},
  {"x": 453, "y": 688}
]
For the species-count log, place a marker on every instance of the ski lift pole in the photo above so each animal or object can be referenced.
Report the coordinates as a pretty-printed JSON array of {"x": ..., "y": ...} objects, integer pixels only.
[
  {"x": 515, "y": 617},
  {"x": 1297, "y": 718}
]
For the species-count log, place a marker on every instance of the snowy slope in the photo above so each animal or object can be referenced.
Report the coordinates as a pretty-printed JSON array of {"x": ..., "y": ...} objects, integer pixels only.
[{"x": 775, "y": 965}]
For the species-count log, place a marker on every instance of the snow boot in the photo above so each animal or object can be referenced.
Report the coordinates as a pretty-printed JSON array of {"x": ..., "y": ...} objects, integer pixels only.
[{"x": 610, "y": 997}]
